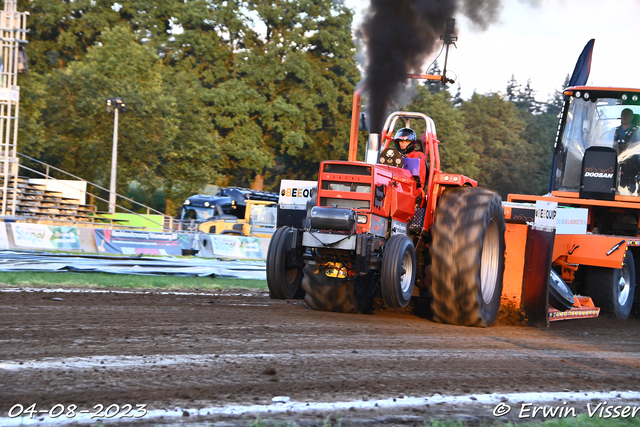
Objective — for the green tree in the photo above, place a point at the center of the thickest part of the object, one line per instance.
(435, 87)
(455, 154)
(154, 134)
(304, 69)
(220, 92)
(554, 105)
(539, 133)
(494, 127)
(523, 97)
(63, 31)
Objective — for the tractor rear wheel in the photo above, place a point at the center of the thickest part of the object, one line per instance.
(612, 289)
(283, 280)
(364, 288)
(328, 293)
(398, 274)
(467, 253)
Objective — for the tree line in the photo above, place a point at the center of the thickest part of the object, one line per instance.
(502, 140)
(237, 93)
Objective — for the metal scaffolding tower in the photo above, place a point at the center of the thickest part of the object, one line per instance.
(13, 37)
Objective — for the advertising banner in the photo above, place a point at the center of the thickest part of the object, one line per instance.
(294, 193)
(546, 213)
(4, 239)
(236, 247)
(140, 242)
(572, 221)
(38, 236)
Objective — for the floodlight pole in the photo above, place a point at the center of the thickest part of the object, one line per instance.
(114, 164)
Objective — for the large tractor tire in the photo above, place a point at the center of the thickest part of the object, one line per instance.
(364, 288)
(283, 280)
(613, 289)
(328, 293)
(467, 253)
(398, 274)
(340, 295)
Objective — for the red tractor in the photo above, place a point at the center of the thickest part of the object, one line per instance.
(374, 228)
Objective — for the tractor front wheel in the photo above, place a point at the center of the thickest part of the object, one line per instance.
(398, 275)
(467, 254)
(283, 280)
(612, 289)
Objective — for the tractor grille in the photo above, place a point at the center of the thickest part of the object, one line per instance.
(347, 169)
(354, 187)
(344, 203)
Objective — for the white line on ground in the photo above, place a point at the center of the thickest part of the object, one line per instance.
(137, 362)
(300, 407)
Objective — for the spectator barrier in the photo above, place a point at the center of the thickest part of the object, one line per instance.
(28, 236)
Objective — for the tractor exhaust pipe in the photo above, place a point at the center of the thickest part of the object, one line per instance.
(373, 148)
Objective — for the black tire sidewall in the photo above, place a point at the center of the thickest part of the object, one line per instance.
(601, 285)
(279, 286)
(489, 311)
(406, 245)
(458, 233)
(559, 298)
(272, 265)
(391, 276)
(623, 311)
(364, 290)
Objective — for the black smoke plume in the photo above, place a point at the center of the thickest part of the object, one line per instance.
(400, 35)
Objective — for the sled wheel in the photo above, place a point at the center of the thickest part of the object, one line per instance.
(467, 253)
(328, 293)
(612, 289)
(283, 281)
(560, 296)
(398, 274)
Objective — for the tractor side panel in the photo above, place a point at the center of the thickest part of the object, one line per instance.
(403, 199)
(591, 249)
(516, 242)
(382, 191)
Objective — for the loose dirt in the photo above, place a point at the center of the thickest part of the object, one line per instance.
(199, 350)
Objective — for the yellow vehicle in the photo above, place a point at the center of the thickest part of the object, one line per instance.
(259, 221)
(232, 210)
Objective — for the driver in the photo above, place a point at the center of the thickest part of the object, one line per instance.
(405, 141)
(627, 136)
(627, 130)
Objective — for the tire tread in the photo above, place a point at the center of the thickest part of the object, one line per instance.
(456, 253)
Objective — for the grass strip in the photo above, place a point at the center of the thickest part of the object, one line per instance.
(127, 281)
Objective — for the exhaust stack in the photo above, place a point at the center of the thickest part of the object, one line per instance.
(373, 149)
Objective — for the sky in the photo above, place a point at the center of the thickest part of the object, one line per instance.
(541, 40)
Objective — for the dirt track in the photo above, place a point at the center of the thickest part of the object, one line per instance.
(217, 349)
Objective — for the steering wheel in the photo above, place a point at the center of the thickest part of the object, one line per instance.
(391, 157)
(607, 136)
